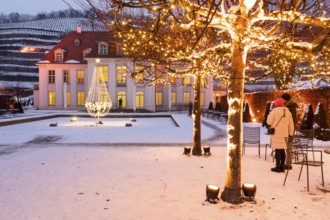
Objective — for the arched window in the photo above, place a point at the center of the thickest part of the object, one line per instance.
(139, 100)
(121, 95)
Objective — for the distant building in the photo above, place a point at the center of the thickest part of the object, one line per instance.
(67, 70)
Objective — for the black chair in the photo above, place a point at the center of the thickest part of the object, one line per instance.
(308, 135)
(251, 135)
(300, 155)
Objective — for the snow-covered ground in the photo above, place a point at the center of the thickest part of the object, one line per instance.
(79, 170)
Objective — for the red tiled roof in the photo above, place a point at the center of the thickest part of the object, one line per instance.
(88, 40)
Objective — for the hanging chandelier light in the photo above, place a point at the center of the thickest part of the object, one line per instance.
(98, 101)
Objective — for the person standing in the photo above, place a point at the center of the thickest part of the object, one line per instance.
(120, 102)
(292, 106)
(280, 119)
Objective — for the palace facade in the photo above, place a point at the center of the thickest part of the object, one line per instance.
(65, 75)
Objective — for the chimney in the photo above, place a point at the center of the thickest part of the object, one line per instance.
(79, 29)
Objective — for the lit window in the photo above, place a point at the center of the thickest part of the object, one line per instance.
(66, 76)
(51, 98)
(186, 98)
(139, 99)
(186, 81)
(59, 57)
(51, 76)
(80, 76)
(68, 98)
(103, 48)
(122, 95)
(103, 73)
(121, 74)
(80, 98)
(173, 98)
(159, 98)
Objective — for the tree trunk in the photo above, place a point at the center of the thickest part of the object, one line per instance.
(197, 140)
(232, 191)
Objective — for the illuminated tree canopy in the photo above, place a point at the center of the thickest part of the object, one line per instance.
(168, 32)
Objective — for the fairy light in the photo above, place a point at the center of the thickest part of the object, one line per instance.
(167, 40)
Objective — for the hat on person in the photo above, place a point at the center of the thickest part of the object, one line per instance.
(279, 102)
(286, 96)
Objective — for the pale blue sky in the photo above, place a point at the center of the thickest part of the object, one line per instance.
(34, 6)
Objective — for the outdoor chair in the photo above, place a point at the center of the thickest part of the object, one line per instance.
(223, 118)
(308, 136)
(251, 135)
(300, 155)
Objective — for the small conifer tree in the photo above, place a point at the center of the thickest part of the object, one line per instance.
(308, 119)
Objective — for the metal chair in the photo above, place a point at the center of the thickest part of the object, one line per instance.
(300, 156)
(251, 135)
(308, 136)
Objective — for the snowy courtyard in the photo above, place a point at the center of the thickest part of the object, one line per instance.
(80, 170)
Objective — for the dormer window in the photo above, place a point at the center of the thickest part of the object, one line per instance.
(59, 55)
(76, 42)
(103, 48)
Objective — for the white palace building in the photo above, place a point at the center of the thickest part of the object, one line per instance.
(65, 75)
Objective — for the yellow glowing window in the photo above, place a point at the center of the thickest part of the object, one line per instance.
(121, 74)
(51, 98)
(139, 101)
(186, 81)
(173, 98)
(80, 98)
(68, 98)
(159, 98)
(80, 76)
(102, 72)
(186, 98)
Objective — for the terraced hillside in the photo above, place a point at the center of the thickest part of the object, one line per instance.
(23, 44)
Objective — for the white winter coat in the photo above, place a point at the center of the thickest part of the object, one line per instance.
(284, 128)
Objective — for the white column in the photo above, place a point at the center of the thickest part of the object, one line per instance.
(65, 89)
(134, 97)
(169, 97)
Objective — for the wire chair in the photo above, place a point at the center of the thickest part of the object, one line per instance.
(251, 135)
(299, 155)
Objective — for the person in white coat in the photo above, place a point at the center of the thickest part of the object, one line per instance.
(280, 118)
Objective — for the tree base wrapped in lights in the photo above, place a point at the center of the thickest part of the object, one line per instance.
(98, 102)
